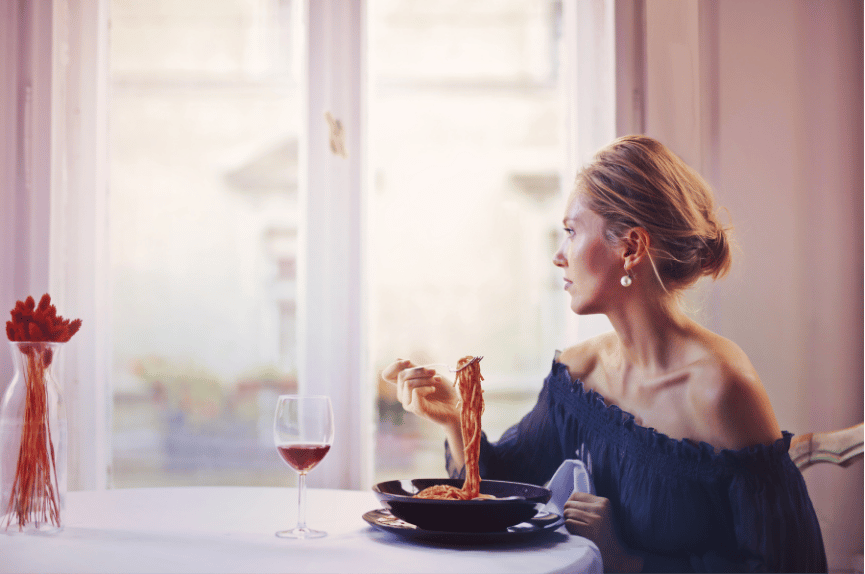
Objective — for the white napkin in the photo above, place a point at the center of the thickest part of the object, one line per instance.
(570, 477)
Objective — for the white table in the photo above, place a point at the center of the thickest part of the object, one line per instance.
(231, 529)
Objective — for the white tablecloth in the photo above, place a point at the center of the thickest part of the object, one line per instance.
(231, 529)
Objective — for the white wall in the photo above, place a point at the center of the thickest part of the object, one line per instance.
(766, 99)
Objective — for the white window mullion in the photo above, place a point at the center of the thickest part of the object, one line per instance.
(79, 257)
(330, 311)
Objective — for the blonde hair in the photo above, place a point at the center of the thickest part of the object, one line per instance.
(636, 181)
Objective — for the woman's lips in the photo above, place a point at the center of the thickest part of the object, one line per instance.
(568, 284)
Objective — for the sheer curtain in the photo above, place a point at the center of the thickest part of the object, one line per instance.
(53, 199)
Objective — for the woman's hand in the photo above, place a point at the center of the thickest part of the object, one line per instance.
(424, 392)
(431, 396)
(591, 516)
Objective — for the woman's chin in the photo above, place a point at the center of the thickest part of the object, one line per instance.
(581, 307)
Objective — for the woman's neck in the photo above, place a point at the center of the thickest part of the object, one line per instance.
(650, 334)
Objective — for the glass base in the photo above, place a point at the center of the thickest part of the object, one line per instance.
(41, 528)
(301, 533)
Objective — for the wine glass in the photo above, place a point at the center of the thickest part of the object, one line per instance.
(303, 433)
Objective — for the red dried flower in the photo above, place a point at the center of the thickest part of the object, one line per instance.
(39, 323)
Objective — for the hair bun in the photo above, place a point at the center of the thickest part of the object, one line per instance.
(716, 253)
(636, 181)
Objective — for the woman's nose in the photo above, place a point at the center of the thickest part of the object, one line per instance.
(559, 259)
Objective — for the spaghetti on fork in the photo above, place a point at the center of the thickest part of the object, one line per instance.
(468, 383)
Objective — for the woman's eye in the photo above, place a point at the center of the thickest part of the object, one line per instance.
(569, 231)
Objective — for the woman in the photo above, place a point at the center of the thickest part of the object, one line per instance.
(690, 467)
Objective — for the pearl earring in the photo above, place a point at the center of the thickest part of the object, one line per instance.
(626, 280)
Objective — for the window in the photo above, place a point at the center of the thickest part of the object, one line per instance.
(190, 298)
(467, 143)
(204, 224)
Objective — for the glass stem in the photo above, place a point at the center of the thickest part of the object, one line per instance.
(301, 501)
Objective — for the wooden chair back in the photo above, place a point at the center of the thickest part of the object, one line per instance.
(841, 447)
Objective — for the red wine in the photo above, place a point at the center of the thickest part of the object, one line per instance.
(303, 457)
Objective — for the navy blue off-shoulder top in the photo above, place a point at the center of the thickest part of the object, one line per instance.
(683, 506)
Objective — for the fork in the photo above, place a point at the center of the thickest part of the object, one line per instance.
(452, 369)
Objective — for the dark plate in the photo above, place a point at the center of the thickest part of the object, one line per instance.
(516, 502)
(543, 522)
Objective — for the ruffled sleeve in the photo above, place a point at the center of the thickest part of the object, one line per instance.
(772, 524)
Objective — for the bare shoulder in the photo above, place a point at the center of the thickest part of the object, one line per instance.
(730, 406)
(583, 359)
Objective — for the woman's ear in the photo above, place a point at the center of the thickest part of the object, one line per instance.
(635, 247)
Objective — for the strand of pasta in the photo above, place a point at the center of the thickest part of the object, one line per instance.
(469, 382)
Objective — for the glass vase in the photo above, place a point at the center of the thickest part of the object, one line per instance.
(33, 443)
